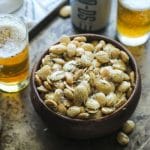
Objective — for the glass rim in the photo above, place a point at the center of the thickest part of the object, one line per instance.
(133, 9)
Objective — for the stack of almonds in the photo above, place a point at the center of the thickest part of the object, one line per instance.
(122, 137)
(85, 79)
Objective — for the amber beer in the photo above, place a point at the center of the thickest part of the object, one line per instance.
(133, 23)
(14, 63)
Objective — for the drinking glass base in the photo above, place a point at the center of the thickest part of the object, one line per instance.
(133, 41)
(11, 88)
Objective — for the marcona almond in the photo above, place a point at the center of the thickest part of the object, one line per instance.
(44, 72)
(65, 39)
(42, 89)
(69, 78)
(85, 79)
(71, 50)
(124, 56)
(128, 126)
(122, 138)
(58, 49)
(65, 11)
(80, 39)
(87, 47)
(107, 110)
(73, 111)
(62, 109)
(101, 98)
(38, 80)
(124, 86)
(100, 45)
(92, 104)
(102, 57)
(51, 104)
(68, 94)
(57, 75)
(80, 94)
(104, 86)
(83, 116)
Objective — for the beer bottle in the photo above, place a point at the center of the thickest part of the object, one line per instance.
(90, 15)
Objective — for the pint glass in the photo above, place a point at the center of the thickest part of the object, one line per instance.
(133, 23)
(14, 59)
(9, 6)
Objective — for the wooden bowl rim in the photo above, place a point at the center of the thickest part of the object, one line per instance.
(118, 110)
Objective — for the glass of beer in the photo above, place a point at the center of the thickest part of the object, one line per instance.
(14, 58)
(133, 23)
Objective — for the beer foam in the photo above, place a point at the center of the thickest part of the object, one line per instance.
(16, 42)
(136, 4)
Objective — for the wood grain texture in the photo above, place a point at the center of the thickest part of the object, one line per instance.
(24, 130)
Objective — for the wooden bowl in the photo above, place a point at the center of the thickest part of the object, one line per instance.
(83, 129)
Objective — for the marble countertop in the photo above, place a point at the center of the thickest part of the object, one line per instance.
(33, 11)
(24, 130)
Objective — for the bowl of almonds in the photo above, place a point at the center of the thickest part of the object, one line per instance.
(85, 86)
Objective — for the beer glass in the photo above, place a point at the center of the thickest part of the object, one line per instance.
(133, 23)
(14, 60)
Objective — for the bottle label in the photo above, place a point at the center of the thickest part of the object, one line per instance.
(90, 15)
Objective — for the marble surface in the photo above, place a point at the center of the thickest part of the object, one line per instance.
(24, 130)
(32, 11)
